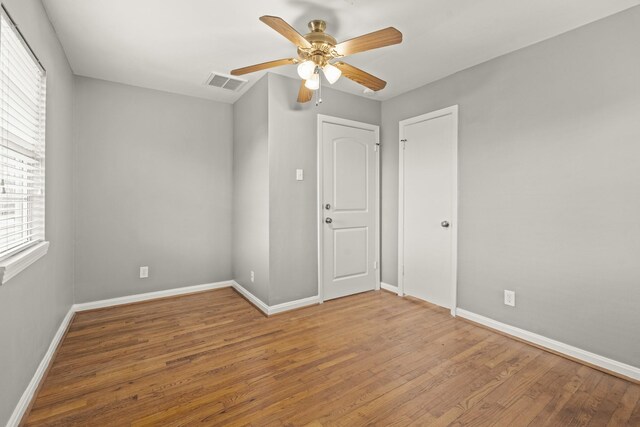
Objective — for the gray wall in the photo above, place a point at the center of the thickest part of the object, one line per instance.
(33, 304)
(549, 181)
(153, 188)
(549, 185)
(293, 145)
(251, 190)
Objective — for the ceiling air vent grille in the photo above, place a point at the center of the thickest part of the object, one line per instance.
(225, 82)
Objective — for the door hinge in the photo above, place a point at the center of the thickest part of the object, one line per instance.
(375, 147)
(404, 143)
(375, 265)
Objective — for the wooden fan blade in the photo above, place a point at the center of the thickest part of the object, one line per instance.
(281, 26)
(381, 38)
(361, 77)
(262, 66)
(304, 94)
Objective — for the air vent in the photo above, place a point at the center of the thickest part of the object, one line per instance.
(225, 82)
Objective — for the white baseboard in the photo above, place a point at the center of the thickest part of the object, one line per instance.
(274, 309)
(388, 287)
(557, 346)
(291, 305)
(266, 309)
(151, 295)
(25, 400)
(252, 298)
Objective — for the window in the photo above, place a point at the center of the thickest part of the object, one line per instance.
(22, 147)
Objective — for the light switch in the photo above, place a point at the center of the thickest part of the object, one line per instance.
(299, 175)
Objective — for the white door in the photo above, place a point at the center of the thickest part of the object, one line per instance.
(348, 206)
(428, 207)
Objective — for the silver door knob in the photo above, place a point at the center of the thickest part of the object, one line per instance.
(445, 224)
(327, 206)
(328, 220)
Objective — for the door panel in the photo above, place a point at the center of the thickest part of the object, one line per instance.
(351, 252)
(350, 175)
(348, 187)
(428, 201)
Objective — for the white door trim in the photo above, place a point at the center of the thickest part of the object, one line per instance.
(453, 111)
(320, 214)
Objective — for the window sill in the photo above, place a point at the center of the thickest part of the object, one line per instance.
(11, 266)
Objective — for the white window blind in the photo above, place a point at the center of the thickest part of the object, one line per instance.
(22, 125)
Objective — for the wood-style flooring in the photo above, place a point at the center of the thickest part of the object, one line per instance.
(370, 359)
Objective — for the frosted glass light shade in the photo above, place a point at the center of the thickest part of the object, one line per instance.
(306, 69)
(313, 82)
(332, 73)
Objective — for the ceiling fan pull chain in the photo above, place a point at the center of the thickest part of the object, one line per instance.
(319, 91)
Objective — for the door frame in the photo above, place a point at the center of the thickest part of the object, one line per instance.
(320, 213)
(453, 111)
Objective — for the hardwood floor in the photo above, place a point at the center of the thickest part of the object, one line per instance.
(370, 359)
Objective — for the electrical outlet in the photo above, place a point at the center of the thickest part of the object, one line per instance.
(253, 277)
(144, 272)
(510, 298)
(299, 175)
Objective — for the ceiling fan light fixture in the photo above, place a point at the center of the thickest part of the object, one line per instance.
(332, 73)
(306, 69)
(313, 82)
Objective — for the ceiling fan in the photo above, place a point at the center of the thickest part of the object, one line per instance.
(317, 51)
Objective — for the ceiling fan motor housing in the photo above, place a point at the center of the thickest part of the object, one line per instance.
(322, 48)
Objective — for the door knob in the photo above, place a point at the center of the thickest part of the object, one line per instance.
(328, 220)
(445, 224)
(327, 206)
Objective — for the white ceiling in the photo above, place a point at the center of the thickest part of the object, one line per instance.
(173, 45)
